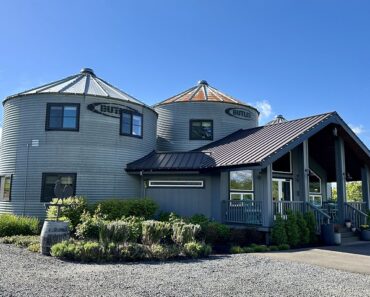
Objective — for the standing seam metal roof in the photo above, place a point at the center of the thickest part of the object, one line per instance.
(244, 147)
(85, 83)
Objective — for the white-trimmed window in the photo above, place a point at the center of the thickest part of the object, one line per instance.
(176, 184)
(315, 196)
(5, 187)
(241, 185)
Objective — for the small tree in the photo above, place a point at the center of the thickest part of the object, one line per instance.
(278, 234)
(292, 230)
(309, 217)
(304, 232)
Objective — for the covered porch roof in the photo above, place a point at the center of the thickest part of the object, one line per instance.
(263, 145)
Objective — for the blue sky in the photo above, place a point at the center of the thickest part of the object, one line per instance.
(295, 58)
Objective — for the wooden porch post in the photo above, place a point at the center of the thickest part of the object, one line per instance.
(365, 174)
(340, 164)
(267, 206)
(306, 171)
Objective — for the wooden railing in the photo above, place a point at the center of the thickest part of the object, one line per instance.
(320, 216)
(356, 216)
(282, 207)
(358, 205)
(247, 212)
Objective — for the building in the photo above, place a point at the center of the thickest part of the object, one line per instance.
(80, 135)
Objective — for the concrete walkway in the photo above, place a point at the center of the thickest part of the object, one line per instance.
(352, 258)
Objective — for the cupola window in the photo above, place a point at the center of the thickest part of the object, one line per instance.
(201, 130)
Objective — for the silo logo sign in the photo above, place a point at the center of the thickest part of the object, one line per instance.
(239, 113)
(108, 109)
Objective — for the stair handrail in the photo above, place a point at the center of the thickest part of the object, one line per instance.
(357, 217)
(321, 217)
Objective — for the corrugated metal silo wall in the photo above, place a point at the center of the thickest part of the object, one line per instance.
(97, 153)
(173, 123)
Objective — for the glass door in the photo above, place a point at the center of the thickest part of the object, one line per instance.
(281, 191)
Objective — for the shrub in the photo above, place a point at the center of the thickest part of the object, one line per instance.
(283, 247)
(155, 232)
(134, 252)
(136, 227)
(278, 233)
(183, 233)
(163, 252)
(85, 251)
(90, 252)
(244, 237)
(116, 232)
(309, 217)
(248, 250)
(216, 233)
(34, 247)
(260, 249)
(236, 249)
(89, 226)
(199, 219)
(195, 249)
(273, 248)
(115, 209)
(292, 230)
(304, 232)
(71, 210)
(64, 250)
(21, 240)
(18, 225)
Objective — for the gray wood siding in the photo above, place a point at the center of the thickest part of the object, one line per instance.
(97, 153)
(173, 123)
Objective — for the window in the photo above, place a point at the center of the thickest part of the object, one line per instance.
(177, 183)
(316, 200)
(283, 164)
(63, 116)
(131, 123)
(57, 185)
(315, 183)
(5, 187)
(241, 185)
(201, 130)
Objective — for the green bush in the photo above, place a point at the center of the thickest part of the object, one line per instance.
(21, 240)
(195, 249)
(292, 230)
(236, 249)
(283, 247)
(183, 233)
(260, 249)
(18, 225)
(116, 232)
(134, 252)
(304, 232)
(199, 219)
(71, 210)
(278, 233)
(89, 226)
(163, 252)
(34, 247)
(273, 248)
(155, 232)
(309, 217)
(85, 251)
(216, 233)
(115, 209)
(248, 250)
(136, 227)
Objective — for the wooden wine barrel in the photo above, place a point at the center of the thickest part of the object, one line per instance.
(53, 232)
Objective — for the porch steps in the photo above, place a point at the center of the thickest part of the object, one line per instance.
(349, 237)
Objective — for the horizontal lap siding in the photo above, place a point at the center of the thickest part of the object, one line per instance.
(97, 153)
(173, 123)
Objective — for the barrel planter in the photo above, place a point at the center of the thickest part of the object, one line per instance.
(53, 232)
(365, 235)
(327, 234)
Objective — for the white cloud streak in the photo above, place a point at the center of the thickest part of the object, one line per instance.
(265, 109)
(358, 129)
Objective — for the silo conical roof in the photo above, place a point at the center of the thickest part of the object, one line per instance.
(85, 83)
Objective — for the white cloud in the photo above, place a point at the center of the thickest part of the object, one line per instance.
(357, 129)
(265, 109)
(1, 132)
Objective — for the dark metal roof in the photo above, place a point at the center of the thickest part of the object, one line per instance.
(256, 146)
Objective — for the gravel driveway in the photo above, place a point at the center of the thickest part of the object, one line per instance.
(25, 274)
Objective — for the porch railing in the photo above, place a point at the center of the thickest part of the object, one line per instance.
(320, 216)
(282, 207)
(358, 205)
(247, 212)
(356, 216)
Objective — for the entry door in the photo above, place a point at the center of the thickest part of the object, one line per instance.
(282, 189)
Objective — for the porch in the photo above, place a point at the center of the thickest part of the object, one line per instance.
(250, 213)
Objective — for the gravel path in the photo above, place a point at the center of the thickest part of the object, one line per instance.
(26, 274)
